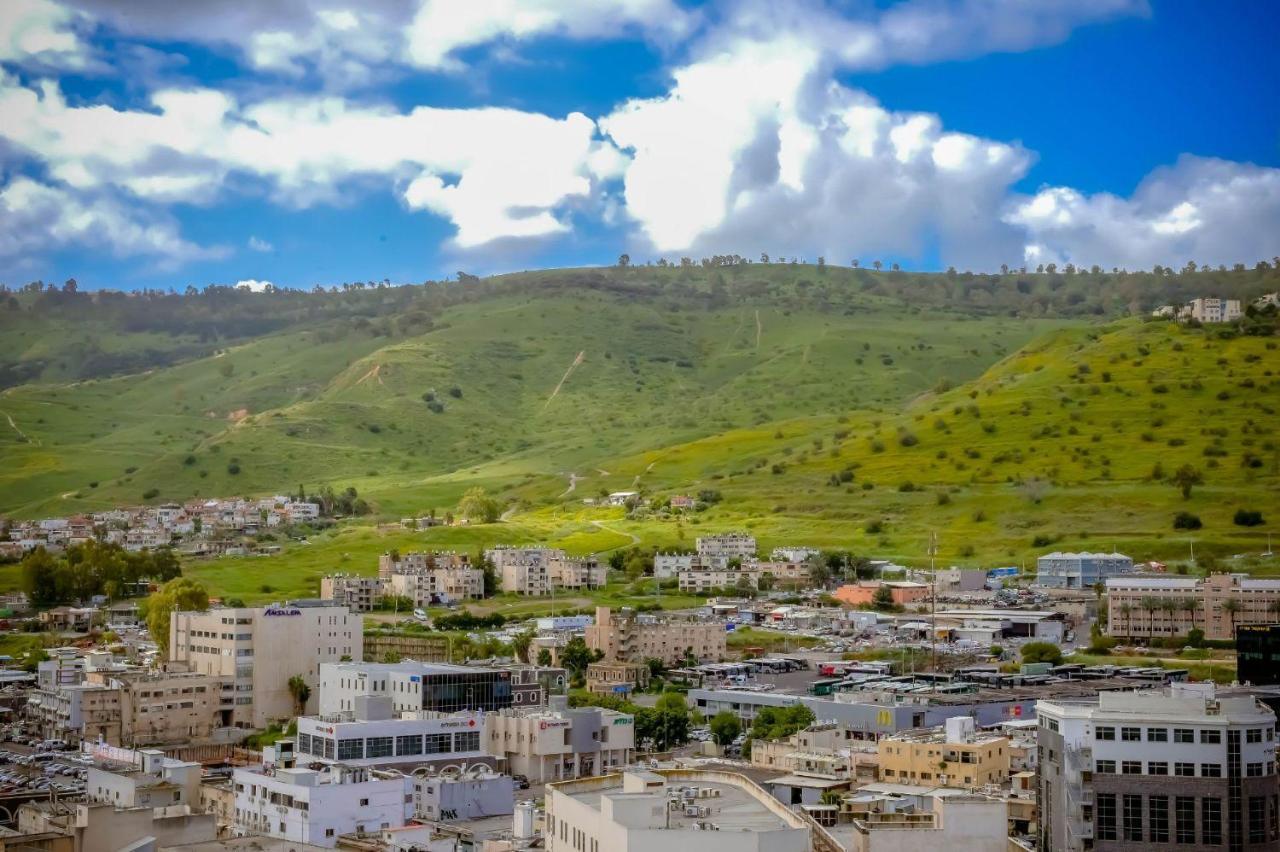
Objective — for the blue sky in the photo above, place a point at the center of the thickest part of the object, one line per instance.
(307, 143)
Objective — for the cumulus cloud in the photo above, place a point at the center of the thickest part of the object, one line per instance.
(35, 217)
(253, 285)
(1206, 210)
(492, 172)
(41, 33)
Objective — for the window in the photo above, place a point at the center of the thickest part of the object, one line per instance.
(350, 749)
(1157, 768)
(304, 743)
(1158, 818)
(1257, 819)
(1131, 767)
(1131, 735)
(328, 832)
(437, 743)
(1186, 770)
(409, 744)
(1158, 735)
(1105, 767)
(1184, 735)
(1104, 732)
(1132, 817)
(1253, 770)
(378, 747)
(1209, 735)
(1104, 827)
(1184, 815)
(1211, 770)
(466, 741)
(1211, 821)
(1253, 735)
(364, 803)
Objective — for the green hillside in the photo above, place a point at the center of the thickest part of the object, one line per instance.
(1007, 414)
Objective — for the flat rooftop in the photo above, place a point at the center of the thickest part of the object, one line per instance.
(734, 809)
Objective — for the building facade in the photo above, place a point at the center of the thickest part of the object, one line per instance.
(1258, 654)
(558, 743)
(1142, 607)
(955, 755)
(628, 637)
(732, 545)
(413, 686)
(356, 593)
(1080, 570)
(372, 737)
(257, 650)
(1143, 771)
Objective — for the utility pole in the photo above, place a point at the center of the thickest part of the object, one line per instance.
(933, 605)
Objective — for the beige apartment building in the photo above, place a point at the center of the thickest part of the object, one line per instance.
(558, 743)
(818, 750)
(257, 649)
(159, 707)
(433, 586)
(1143, 607)
(359, 594)
(630, 637)
(542, 570)
(952, 756)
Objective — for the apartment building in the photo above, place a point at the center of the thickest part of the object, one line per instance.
(731, 545)
(674, 811)
(432, 578)
(540, 570)
(1182, 767)
(1213, 310)
(157, 707)
(1080, 570)
(414, 686)
(1142, 607)
(704, 581)
(630, 637)
(77, 711)
(954, 755)
(356, 593)
(556, 743)
(821, 750)
(257, 650)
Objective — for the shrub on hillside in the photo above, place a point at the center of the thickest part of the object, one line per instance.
(1186, 521)
(1248, 518)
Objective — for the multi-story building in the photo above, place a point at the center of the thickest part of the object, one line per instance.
(158, 707)
(1212, 310)
(414, 686)
(1258, 654)
(703, 581)
(431, 578)
(630, 637)
(356, 593)
(1080, 570)
(1173, 606)
(732, 545)
(680, 810)
(540, 570)
(371, 735)
(955, 755)
(318, 806)
(1182, 767)
(77, 711)
(820, 750)
(557, 743)
(257, 649)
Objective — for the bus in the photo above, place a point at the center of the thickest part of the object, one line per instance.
(825, 686)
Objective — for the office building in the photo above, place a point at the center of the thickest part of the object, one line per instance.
(630, 637)
(1181, 767)
(1143, 607)
(1258, 654)
(414, 686)
(558, 742)
(954, 755)
(372, 736)
(674, 811)
(257, 649)
(1080, 570)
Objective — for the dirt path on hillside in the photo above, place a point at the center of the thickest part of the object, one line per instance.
(372, 374)
(576, 361)
(635, 539)
(23, 435)
(573, 483)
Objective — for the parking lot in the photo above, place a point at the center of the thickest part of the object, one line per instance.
(40, 766)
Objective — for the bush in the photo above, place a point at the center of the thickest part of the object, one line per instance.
(455, 392)
(1186, 521)
(1248, 518)
(150, 493)
(233, 469)
(1041, 652)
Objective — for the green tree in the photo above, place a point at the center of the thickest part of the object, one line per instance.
(181, 594)
(477, 506)
(300, 692)
(1186, 478)
(1231, 606)
(671, 725)
(1041, 652)
(520, 644)
(725, 727)
(883, 598)
(544, 656)
(576, 656)
(40, 578)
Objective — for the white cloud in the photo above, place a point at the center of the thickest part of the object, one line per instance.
(492, 172)
(261, 245)
(254, 285)
(35, 217)
(441, 28)
(40, 33)
(1206, 210)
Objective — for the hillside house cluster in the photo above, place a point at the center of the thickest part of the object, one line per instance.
(730, 560)
(1203, 309)
(204, 526)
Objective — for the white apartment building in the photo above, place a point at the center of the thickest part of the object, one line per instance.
(673, 811)
(413, 686)
(1144, 770)
(372, 736)
(732, 545)
(540, 570)
(257, 649)
(559, 743)
(794, 553)
(1213, 310)
(463, 794)
(318, 806)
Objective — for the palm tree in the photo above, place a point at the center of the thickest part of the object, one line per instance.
(1190, 605)
(1231, 606)
(1126, 610)
(1150, 604)
(300, 691)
